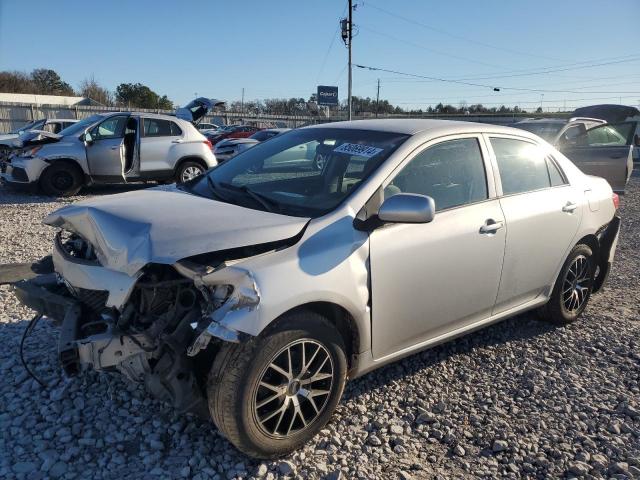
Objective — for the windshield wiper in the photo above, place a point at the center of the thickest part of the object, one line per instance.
(269, 204)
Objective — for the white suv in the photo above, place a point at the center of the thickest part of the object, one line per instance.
(116, 147)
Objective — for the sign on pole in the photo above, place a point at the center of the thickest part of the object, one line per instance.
(327, 95)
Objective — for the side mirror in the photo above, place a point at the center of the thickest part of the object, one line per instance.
(407, 208)
(87, 138)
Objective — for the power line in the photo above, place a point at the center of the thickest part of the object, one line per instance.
(494, 87)
(326, 55)
(437, 52)
(453, 35)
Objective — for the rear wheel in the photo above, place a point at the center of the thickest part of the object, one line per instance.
(61, 179)
(189, 170)
(272, 394)
(572, 290)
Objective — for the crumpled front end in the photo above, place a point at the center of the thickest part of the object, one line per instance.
(161, 326)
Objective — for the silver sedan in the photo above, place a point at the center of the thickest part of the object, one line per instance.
(257, 290)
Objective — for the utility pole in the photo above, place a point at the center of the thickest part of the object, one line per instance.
(242, 102)
(350, 31)
(378, 98)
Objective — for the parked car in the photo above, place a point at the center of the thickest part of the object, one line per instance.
(116, 147)
(232, 131)
(552, 129)
(208, 126)
(595, 146)
(257, 291)
(230, 147)
(51, 125)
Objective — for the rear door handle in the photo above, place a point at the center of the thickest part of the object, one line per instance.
(116, 147)
(491, 226)
(569, 207)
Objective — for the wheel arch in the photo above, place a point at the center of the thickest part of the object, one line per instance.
(189, 158)
(340, 318)
(66, 160)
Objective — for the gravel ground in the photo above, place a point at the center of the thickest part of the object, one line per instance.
(519, 399)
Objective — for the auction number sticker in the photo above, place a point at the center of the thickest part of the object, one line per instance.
(359, 150)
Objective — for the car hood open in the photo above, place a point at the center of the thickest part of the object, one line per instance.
(196, 109)
(165, 224)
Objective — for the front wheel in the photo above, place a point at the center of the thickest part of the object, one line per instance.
(572, 290)
(273, 393)
(61, 179)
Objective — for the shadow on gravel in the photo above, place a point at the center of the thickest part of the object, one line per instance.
(519, 328)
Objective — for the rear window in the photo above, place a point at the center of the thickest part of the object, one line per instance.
(156, 127)
(522, 165)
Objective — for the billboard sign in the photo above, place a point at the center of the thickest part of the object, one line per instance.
(327, 95)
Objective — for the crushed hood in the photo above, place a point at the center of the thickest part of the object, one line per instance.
(36, 137)
(165, 224)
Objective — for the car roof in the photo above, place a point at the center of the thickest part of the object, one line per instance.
(414, 126)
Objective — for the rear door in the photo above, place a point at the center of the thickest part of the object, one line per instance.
(605, 151)
(160, 138)
(542, 212)
(105, 151)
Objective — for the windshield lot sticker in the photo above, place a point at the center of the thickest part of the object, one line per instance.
(359, 150)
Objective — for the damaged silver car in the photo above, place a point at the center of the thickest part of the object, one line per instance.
(255, 291)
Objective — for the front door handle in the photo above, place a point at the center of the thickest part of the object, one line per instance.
(491, 226)
(178, 140)
(569, 207)
(117, 147)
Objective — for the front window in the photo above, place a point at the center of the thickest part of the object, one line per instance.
(451, 172)
(112, 127)
(80, 126)
(306, 172)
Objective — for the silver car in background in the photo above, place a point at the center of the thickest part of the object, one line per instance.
(115, 147)
(256, 290)
(595, 146)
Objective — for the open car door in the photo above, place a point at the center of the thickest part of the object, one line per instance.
(196, 109)
(605, 151)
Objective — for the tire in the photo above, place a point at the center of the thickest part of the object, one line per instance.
(568, 298)
(235, 386)
(61, 179)
(187, 171)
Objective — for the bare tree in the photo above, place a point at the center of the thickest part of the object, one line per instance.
(90, 88)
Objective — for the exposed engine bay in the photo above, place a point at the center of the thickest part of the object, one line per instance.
(168, 331)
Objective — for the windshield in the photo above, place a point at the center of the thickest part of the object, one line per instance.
(80, 126)
(306, 172)
(546, 130)
(38, 124)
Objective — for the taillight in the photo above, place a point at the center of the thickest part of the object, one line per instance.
(616, 200)
(208, 143)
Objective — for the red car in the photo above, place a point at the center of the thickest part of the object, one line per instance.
(234, 131)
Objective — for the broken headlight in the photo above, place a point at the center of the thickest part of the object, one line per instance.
(75, 247)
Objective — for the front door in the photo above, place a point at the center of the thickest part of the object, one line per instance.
(430, 279)
(604, 151)
(543, 215)
(105, 151)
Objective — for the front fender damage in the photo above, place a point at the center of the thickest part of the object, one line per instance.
(242, 296)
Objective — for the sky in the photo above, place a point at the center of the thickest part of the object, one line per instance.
(545, 52)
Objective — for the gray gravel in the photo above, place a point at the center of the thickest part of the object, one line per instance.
(518, 399)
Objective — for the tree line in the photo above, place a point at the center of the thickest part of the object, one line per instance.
(45, 81)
